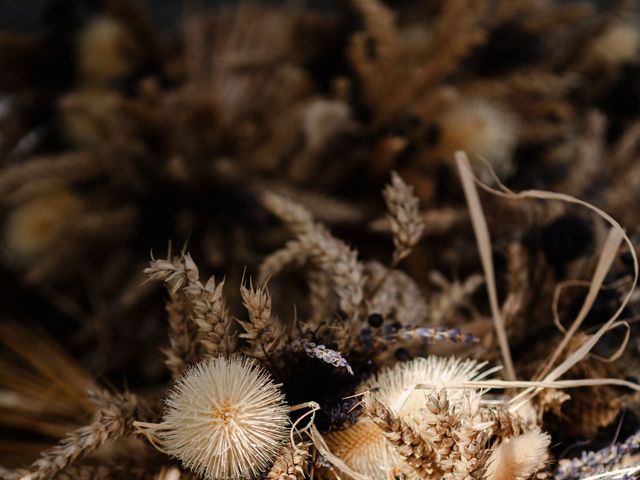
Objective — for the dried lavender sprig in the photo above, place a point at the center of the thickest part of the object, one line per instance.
(590, 463)
(323, 353)
(429, 334)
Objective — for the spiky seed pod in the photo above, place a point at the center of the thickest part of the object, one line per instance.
(481, 126)
(226, 419)
(392, 382)
(363, 446)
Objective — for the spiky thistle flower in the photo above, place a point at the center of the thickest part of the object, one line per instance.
(390, 384)
(363, 446)
(226, 419)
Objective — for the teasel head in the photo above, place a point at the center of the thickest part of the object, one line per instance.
(484, 127)
(225, 419)
(363, 447)
(390, 384)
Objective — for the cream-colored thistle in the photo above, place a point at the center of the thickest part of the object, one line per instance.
(390, 384)
(226, 419)
(481, 127)
(363, 446)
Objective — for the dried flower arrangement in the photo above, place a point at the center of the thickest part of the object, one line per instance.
(497, 337)
(226, 418)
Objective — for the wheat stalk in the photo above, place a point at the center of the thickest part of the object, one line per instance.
(411, 446)
(407, 224)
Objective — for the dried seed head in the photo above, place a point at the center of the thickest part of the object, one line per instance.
(226, 419)
(407, 224)
(363, 446)
(518, 458)
(484, 128)
(391, 383)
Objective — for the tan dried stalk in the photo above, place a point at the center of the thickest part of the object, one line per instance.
(182, 336)
(112, 421)
(201, 304)
(407, 442)
(517, 288)
(457, 30)
(297, 218)
(291, 463)
(212, 318)
(294, 253)
(471, 437)
(439, 428)
(341, 264)
(260, 330)
(407, 224)
(316, 245)
(68, 167)
(483, 240)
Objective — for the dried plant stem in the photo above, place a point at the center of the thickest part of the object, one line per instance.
(181, 337)
(111, 422)
(484, 246)
(609, 250)
(202, 305)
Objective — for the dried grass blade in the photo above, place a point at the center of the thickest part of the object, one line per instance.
(484, 247)
(580, 353)
(607, 256)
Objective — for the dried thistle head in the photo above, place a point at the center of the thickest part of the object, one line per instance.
(391, 383)
(519, 457)
(225, 419)
(363, 446)
(484, 128)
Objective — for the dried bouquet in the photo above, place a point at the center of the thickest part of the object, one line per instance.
(491, 334)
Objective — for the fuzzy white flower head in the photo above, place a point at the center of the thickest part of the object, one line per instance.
(362, 446)
(225, 419)
(391, 384)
